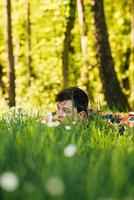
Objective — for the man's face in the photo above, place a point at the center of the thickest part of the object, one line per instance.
(66, 111)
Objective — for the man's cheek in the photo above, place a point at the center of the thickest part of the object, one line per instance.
(64, 114)
(67, 117)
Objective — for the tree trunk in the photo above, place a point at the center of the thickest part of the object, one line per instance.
(132, 53)
(29, 58)
(112, 90)
(2, 84)
(10, 55)
(125, 68)
(83, 38)
(67, 41)
(132, 31)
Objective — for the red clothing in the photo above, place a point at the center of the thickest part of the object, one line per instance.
(126, 120)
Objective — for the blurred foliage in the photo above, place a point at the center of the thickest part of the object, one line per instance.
(48, 24)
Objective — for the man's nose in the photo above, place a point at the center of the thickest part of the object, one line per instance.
(60, 114)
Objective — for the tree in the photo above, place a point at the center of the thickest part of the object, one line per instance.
(132, 31)
(112, 90)
(67, 41)
(132, 51)
(2, 84)
(10, 55)
(49, 22)
(29, 58)
(125, 68)
(83, 38)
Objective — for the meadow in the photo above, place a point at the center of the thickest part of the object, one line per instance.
(41, 161)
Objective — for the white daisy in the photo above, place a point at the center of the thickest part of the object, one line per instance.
(70, 150)
(68, 127)
(9, 181)
(53, 124)
(55, 186)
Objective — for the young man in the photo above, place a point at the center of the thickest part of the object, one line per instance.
(72, 103)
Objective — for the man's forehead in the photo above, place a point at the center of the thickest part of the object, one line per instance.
(65, 103)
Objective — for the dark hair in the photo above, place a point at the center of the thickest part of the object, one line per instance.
(77, 95)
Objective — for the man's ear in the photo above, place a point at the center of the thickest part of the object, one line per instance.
(82, 115)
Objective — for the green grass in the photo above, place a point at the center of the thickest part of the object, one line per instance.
(102, 168)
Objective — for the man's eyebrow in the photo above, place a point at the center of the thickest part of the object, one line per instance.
(66, 108)
(59, 103)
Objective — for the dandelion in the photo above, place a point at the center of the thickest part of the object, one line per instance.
(70, 150)
(53, 124)
(73, 122)
(55, 186)
(9, 181)
(50, 116)
(67, 127)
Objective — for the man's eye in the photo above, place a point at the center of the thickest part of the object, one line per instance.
(66, 111)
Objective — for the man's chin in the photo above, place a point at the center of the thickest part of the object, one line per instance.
(66, 120)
